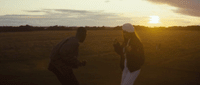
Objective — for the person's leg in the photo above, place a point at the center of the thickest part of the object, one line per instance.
(133, 77)
(130, 77)
(68, 79)
(71, 79)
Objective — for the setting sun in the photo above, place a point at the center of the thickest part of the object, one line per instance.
(99, 12)
(154, 19)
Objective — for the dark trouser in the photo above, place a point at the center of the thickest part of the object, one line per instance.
(68, 79)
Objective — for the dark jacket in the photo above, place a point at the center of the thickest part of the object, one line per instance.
(135, 58)
(67, 52)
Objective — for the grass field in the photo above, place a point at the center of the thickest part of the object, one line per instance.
(24, 57)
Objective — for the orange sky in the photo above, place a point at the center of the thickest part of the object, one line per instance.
(100, 12)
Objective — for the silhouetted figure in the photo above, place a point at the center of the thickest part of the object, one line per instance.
(132, 54)
(64, 58)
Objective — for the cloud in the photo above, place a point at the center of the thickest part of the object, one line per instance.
(60, 10)
(80, 14)
(73, 11)
(107, 1)
(14, 15)
(186, 7)
(183, 21)
(66, 17)
(188, 12)
(33, 11)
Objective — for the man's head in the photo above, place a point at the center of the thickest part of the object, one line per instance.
(128, 31)
(81, 34)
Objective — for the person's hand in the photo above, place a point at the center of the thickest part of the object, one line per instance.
(83, 63)
(115, 41)
(128, 48)
(117, 47)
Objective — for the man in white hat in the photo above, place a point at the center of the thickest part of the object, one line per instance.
(132, 54)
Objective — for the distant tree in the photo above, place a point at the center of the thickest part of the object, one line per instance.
(118, 28)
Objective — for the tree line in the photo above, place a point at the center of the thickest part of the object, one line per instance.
(27, 27)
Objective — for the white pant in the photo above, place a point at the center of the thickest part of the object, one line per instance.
(128, 77)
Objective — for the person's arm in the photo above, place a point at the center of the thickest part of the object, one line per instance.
(122, 62)
(118, 48)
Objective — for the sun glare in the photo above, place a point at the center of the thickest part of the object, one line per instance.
(154, 19)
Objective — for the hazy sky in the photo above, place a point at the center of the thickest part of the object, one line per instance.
(99, 12)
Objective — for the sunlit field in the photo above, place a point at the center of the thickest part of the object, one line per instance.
(172, 57)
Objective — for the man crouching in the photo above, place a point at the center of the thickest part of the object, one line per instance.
(64, 58)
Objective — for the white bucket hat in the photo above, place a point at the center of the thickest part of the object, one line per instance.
(128, 27)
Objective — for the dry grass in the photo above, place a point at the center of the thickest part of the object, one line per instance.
(25, 55)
